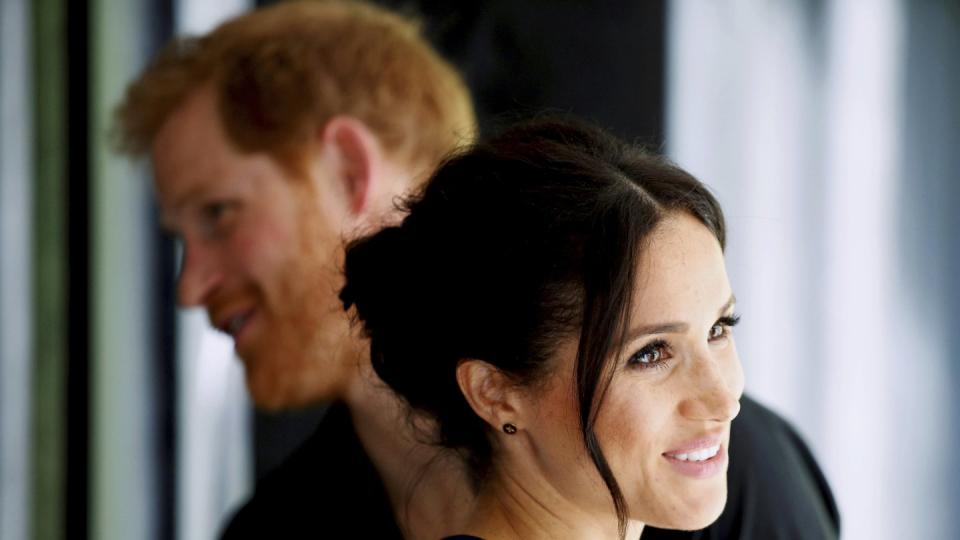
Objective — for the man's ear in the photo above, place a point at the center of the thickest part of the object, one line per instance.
(357, 155)
(490, 393)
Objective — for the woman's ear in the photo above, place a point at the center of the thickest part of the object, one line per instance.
(357, 156)
(490, 393)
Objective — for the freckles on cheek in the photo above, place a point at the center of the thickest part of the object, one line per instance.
(556, 408)
(633, 430)
(556, 420)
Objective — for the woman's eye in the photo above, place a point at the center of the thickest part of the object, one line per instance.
(721, 328)
(717, 331)
(653, 355)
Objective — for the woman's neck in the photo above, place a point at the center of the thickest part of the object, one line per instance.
(427, 488)
(518, 507)
(430, 492)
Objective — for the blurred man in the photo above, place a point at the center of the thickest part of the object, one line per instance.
(274, 139)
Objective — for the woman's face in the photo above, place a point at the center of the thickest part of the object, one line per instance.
(664, 424)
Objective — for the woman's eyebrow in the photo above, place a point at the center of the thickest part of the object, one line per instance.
(729, 304)
(672, 327)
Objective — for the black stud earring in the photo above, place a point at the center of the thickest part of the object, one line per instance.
(509, 428)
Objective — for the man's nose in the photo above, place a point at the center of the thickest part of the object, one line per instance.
(200, 275)
(714, 392)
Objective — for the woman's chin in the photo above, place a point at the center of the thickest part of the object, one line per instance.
(694, 516)
(704, 520)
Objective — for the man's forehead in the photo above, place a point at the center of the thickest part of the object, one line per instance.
(187, 142)
(175, 177)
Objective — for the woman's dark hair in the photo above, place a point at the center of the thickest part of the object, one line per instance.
(512, 246)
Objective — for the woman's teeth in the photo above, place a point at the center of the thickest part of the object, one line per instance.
(699, 455)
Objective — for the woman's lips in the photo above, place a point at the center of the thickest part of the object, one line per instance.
(710, 441)
(699, 463)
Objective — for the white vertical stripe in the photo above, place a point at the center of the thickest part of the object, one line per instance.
(123, 462)
(214, 444)
(200, 16)
(863, 152)
(16, 308)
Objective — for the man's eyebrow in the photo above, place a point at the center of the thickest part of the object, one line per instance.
(194, 192)
(672, 327)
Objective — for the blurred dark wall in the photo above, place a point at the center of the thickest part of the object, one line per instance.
(600, 60)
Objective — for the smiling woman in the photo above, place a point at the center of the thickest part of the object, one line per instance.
(557, 302)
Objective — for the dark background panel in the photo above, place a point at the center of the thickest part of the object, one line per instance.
(77, 175)
(163, 336)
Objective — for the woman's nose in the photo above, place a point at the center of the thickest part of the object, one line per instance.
(714, 391)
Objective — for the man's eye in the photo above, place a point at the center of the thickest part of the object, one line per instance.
(214, 211)
(215, 216)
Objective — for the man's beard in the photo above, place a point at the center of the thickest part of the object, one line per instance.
(304, 357)
(306, 353)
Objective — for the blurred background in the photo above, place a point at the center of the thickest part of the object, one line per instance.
(830, 131)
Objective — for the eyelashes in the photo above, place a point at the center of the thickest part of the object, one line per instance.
(722, 327)
(657, 354)
(652, 355)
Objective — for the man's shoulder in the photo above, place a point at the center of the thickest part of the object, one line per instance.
(328, 484)
(768, 441)
(775, 483)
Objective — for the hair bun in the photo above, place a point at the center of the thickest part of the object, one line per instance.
(373, 269)
(385, 276)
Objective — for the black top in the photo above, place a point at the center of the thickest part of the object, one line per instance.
(329, 488)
